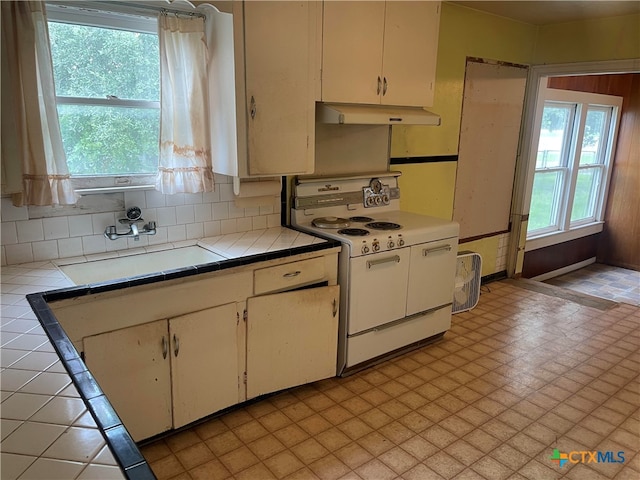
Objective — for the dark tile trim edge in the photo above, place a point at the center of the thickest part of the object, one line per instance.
(433, 159)
(122, 446)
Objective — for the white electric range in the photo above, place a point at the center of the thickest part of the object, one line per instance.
(396, 269)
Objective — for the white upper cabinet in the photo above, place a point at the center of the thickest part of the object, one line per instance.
(352, 45)
(263, 73)
(380, 52)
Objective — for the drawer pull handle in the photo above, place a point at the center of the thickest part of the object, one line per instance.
(427, 251)
(373, 263)
(165, 347)
(292, 274)
(176, 345)
(335, 307)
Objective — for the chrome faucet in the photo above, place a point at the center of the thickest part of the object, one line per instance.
(133, 218)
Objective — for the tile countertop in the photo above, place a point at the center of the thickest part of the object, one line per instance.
(57, 424)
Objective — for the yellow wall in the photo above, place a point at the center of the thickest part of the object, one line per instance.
(427, 188)
(463, 33)
(613, 38)
(488, 250)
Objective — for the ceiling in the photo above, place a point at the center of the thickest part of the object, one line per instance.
(554, 11)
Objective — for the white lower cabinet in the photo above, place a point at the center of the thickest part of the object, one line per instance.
(130, 369)
(205, 369)
(168, 373)
(163, 367)
(292, 338)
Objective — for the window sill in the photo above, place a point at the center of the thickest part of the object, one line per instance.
(554, 238)
(102, 190)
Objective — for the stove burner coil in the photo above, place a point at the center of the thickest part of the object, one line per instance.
(361, 219)
(330, 222)
(383, 225)
(354, 232)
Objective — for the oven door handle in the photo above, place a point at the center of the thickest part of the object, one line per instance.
(427, 251)
(373, 263)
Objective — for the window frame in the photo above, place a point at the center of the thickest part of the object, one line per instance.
(565, 229)
(114, 16)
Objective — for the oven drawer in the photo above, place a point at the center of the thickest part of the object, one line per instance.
(377, 289)
(387, 339)
(288, 276)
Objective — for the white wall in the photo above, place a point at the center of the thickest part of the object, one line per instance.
(39, 234)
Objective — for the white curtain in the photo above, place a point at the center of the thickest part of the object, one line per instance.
(185, 147)
(31, 142)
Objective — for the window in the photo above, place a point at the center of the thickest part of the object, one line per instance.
(107, 77)
(576, 137)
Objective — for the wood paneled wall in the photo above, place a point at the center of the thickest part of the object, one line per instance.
(619, 243)
(555, 257)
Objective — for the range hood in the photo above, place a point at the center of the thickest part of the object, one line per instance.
(359, 114)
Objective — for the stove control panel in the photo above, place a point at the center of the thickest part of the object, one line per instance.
(378, 194)
(373, 199)
(382, 244)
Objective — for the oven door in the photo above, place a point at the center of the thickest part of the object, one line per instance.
(377, 289)
(432, 275)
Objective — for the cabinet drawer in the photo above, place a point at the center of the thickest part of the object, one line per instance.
(288, 276)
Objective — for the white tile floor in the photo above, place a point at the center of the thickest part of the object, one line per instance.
(47, 432)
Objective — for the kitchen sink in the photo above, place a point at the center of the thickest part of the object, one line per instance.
(128, 266)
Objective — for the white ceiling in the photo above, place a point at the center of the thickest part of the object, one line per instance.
(554, 11)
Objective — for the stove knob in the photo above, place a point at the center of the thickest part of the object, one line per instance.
(365, 249)
(369, 202)
(390, 244)
(385, 199)
(400, 242)
(378, 200)
(375, 247)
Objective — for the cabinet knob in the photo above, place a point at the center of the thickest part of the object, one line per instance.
(379, 86)
(335, 307)
(165, 347)
(252, 108)
(384, 86)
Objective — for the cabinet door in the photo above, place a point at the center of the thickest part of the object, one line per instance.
(280, 86)
(130, 367)
(204, 363)
(352, 51)
(431, 275)
(292, 339)
(410, 51)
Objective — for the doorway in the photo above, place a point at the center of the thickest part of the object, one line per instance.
(617, 243)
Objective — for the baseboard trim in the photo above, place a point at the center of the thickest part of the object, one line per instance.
(493, 277)
(563, 270)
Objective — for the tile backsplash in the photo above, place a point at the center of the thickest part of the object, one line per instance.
(39, 234)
